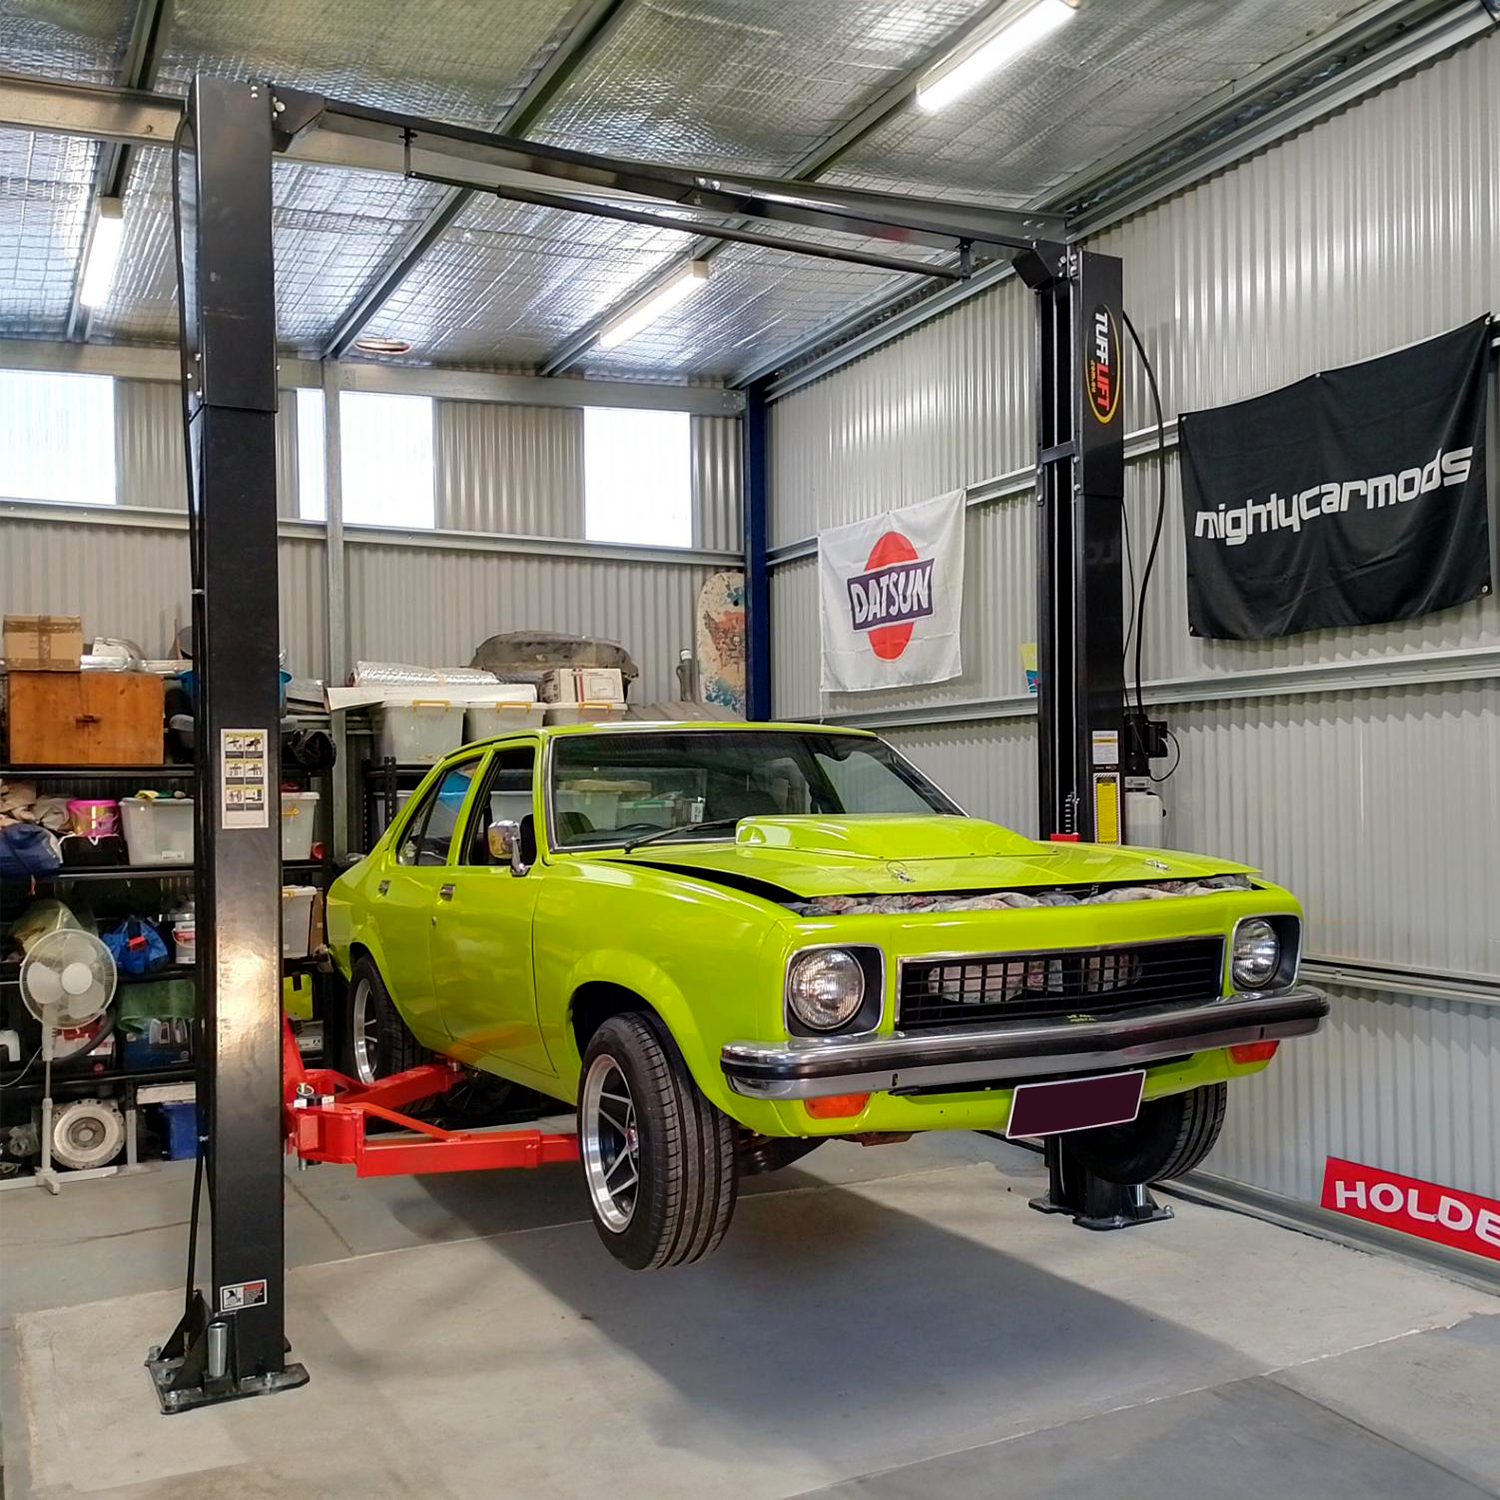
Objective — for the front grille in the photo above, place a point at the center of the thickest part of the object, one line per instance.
(985, 987)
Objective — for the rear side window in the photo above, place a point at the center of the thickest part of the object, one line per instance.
(430, 831)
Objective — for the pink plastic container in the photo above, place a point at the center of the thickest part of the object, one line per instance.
(94, 818)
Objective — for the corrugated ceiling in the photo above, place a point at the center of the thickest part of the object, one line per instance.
(754, 84)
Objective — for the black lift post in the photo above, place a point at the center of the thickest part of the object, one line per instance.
(232, 1343)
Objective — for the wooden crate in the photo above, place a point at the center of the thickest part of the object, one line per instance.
(85, 719)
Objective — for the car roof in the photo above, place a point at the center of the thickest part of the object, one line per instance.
(687, 726)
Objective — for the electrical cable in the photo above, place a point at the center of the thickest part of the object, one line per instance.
(1177, 760)
(200, 741)
(1161, 506)
(1130, 574)
(24, 1071)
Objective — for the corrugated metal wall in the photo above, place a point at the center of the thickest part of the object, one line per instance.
(435, 605)
(515, 470)
(717, 461)
(149, 469)
(1371, 229)
(506, 470)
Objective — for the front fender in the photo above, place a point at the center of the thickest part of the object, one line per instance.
(644, 977)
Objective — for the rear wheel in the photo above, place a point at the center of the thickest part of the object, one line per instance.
(1170, 1136)
(658, 1158)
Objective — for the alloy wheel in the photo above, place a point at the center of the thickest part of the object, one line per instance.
(365, 1029)
(610, 1144)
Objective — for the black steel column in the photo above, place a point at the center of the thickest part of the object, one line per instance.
(1080, 593)
(232, 1342)
(756, 450)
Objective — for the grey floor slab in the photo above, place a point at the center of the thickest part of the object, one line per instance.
(847, 1328)
(1241, 1441)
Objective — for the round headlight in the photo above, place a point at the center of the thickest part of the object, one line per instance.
(1257, 954)
(825, 988)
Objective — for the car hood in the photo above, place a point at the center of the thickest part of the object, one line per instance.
(825, 856)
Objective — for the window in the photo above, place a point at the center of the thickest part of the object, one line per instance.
(57, 437)
(507, 798)
(608, 788)
(638, 477)
(427, 836)
(385, 450)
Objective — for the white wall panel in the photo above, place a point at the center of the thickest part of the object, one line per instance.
(514, 470)
(948, 405)
(435, 605)
(717, 498)
(132, 581)
(1407, 1083)
(990, 769)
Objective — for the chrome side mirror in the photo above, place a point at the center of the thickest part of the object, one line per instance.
(504, 838)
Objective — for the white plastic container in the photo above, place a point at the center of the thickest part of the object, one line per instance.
(585, 713)
(299, 821)
(158, 830)
(417, 734)
(185, 934)
(482, 721)
(296, 919)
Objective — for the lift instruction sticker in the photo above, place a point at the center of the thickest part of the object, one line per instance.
(244, 794)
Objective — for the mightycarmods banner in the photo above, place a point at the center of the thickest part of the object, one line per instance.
(1354, 496)
(892, 592)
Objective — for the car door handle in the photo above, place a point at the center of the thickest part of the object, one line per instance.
(382, 888)
(446, 892)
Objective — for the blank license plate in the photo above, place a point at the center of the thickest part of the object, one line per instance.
(1075, 1104)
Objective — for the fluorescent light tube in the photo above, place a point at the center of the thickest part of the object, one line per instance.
(103, 252)
(630, 322)
(1020, 29)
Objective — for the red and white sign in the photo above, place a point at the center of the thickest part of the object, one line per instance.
(1466, 1221)
(892, 597)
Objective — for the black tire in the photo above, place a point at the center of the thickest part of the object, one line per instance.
(683, 1152)
(376, 1040)
(1169, 1137)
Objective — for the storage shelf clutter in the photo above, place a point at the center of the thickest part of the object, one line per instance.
(97, 829)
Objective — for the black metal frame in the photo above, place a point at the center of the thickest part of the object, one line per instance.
(226, 283)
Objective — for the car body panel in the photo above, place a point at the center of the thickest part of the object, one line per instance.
(701, 930)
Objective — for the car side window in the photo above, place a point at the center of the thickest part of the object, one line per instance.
(430, 832)
(507, 796)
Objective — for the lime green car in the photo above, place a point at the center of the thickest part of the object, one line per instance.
(727, 943)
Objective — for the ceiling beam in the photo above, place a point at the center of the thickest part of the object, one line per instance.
(593, 22)
(819, 160)
(143, 50)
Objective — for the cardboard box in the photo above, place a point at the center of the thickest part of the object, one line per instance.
(583, 685)
(43, 643)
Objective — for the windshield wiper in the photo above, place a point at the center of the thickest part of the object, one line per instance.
(661, 833)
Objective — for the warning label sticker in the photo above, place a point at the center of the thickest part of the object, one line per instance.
(244, 788)
(239, 1295)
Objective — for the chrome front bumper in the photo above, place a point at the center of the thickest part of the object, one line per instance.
(814, 1067)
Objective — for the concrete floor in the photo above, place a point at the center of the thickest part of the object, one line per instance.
(880, 1324)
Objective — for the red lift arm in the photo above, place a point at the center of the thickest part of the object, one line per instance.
(325, 1115)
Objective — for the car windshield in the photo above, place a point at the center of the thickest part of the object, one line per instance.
(614, 787)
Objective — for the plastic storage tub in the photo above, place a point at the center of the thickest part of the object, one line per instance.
(296, 919)
(417, 734)
(94, 817)
(299, 822)
(158, 830)
(584, 713)
(483, 721)
(180, 1135)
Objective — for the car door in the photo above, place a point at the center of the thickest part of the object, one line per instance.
(407, 891)
(480, 939)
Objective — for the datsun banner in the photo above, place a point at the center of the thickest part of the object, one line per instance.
(1354, 496)
(892, 597)
(1466, 1221)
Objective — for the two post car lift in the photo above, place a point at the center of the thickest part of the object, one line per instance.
(255, 1096)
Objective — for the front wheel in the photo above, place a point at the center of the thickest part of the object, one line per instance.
(658, 1158)
(1170, 1136)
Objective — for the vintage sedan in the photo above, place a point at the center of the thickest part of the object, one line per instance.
(727, 943)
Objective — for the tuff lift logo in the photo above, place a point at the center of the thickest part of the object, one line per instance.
(893, 592)
(1101, 378)
(1234, 525)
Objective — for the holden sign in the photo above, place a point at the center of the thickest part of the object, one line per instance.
(892, 597)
